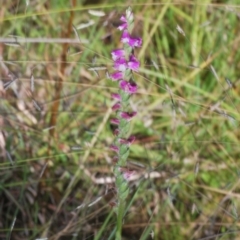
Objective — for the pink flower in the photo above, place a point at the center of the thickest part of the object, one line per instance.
(123, 18)
(116, 76)
(114, 148)
(133, 63)
(125, 37)
(135, 42)
(115, 121)
(117, 53)
(124, 25)
(132, 42)
(128, 87)
(125, 63)
(120, 65)
(116, 106)
(128, 141)
(127, 173)
(116, 96)
(128, 116)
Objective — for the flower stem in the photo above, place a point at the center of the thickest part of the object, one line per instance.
(120, 214)
(125, 63)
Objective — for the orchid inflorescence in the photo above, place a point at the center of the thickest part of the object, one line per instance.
(125, 63)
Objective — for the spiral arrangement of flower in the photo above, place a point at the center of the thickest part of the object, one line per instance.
(124, 64)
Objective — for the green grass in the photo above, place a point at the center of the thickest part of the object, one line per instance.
(57, 183)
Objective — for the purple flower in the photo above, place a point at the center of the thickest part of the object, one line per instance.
(123, 18)
(128, 116)
(128, 141)
(133, 63)
(128, 87)
(117, 53)
(124, 25)
(116, 96)
(127, 173)
(116, 76)
(120, 65)
(135, 42)
(114, 148)
(115, 121)
(116, 106)
(124, 64)
(125, 37)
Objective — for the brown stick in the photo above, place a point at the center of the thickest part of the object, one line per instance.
(58, 88)
(63, 64)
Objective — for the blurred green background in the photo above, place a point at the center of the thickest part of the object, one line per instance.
(55, 165)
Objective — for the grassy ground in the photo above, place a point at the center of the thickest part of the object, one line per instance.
(56, 178)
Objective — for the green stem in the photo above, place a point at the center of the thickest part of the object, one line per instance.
(120, 214)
